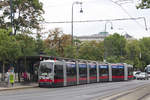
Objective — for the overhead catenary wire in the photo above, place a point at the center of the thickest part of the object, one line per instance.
(130, 15)
(85, 21)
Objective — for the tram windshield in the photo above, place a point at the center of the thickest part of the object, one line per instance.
(148, 69)
(45, 68)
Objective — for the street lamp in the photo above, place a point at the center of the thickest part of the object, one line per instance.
(81, 11)
(104, 38)
(108, 23)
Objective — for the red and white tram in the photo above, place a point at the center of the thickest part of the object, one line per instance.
(54, 73)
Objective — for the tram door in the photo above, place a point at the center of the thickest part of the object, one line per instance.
(82, 73)
(58, 75)
(103, 73)
(130, 73)
(93, 73)
(71, 74)
(117, 72)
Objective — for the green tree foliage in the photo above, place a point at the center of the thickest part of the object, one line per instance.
(70, 52)
(39, 44)
(9, 48)
(114, 46)
(133, 51)
(144, 4)
(91, 51)
(27, 44)
(145, 50)
(26, 14)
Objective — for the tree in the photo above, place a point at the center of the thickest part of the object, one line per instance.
(70, 52)
(115, 45)
(39, 44)
(27, 45)
(91, 51)
(9, 48)
(52, 42)
(133, 53)
(144, 4)
(145, 50)
(57, 41)
(26, 14)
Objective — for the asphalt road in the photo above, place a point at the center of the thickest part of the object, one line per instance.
(95, 91)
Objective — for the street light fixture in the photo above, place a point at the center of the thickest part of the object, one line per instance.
(105, 37)
(81, 11)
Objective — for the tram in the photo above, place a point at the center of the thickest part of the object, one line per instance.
(55, 73)
(147, 70)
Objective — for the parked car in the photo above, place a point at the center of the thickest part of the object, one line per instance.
(142, 75)
(136, 73)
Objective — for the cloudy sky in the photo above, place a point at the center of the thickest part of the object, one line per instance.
(60, 10)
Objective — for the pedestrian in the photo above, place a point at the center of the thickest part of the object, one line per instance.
(7, 77)
(25, 76)
(11, 76)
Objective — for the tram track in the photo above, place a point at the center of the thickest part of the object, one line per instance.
(79, 92)
(138, 93)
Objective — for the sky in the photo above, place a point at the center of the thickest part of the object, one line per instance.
(60, 10)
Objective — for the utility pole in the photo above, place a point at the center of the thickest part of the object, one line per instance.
(11, 16)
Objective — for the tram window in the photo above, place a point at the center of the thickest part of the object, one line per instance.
(130, 70)
(148, 69)
(46, 67)
(103, 71)
(71, 70)
(82, 70)
(93, 71)
(118, 70)
(58, 71)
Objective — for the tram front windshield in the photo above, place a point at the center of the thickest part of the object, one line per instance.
(148, 70)
(46, 68)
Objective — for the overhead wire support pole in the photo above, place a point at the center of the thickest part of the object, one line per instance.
(11, 15)
(76, 2)
(145, 24)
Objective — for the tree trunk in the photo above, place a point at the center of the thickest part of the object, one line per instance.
(3, 73)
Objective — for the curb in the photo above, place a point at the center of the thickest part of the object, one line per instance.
(17, 88)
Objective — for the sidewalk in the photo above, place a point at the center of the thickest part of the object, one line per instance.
(18, 86)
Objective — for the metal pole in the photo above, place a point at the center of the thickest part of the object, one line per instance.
(145, 23)
(72, 23)
(72, 18)
(105, 53)
(11, 15)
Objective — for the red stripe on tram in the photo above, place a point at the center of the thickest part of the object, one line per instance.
(103, 77)
(117, 76)
(130, 76)
(71, 79)
(82, 78)
(45, 80)
(93, 78)
(58, 80)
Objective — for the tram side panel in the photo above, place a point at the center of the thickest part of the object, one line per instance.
(92, 73)
(58, 75)
(103, 72)
(117, 72)
(71, 74)
(82, 73)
